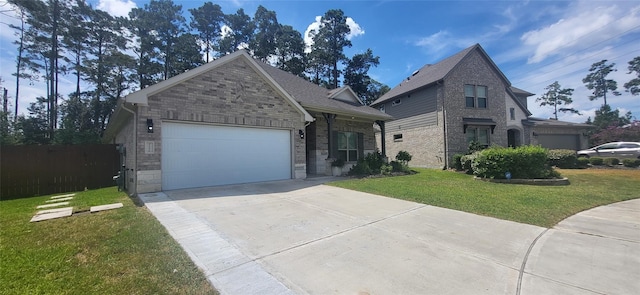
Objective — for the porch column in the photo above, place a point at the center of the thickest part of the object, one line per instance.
(382, 138)
(330, 118)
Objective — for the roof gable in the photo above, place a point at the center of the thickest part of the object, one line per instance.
(346, 94)
(140, 97)
(430, 74)
(318, 99)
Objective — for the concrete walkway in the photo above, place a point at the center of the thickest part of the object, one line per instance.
(302, 237)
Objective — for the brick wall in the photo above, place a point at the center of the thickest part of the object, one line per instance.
(230, 94)
(474, 69)
(318, 151)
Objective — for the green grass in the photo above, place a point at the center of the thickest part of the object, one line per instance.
(121, 251)
(538, 205)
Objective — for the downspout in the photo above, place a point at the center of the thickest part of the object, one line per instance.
(135, 147)
(444, 126)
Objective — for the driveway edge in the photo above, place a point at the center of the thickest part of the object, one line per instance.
(241, 276)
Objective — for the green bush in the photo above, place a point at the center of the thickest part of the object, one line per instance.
(466, 162)
(360, 169)
(398, 166)
(386, 169)
(611, 161)
(404, 157)
(596, 161)
(373, 164)
(375, 161)
(457, 162)
(566, 159)
(632, 163)
(524, 162)
(582, 162)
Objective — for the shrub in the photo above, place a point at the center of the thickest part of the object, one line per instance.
(337, 163)
(403, 157)
(525, 162)
(371, 164)
(596, 161)
(565, 159)
(386, 169)
(582, 162)
(611, 161)
(375, 161)
(399, 167)
(467, 160)
(360, 169)
(457, 162)
(632, 163)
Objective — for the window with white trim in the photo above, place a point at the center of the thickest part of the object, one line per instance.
(397, 137)
(475, 96)
(348, 146)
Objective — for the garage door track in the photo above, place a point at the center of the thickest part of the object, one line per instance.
(302, 237)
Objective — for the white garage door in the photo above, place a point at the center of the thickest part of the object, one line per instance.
(205, 155)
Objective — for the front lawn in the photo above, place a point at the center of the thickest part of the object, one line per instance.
(538, 205)
(121, 251)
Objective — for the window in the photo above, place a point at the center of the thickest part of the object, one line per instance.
(382, 108)
(475, 96)
(396, 102)
(512, 113)
(397, 137)
(479, 135)
(348, 146)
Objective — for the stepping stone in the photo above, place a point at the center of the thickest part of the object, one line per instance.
(59, 200)
(106, 207)
(52, 214)
(52, 205)
(53, 210)
(63, 196)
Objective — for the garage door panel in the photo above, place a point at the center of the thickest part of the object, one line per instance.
(205, 155)
(559, 141)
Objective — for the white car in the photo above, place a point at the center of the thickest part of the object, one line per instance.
(620, 150)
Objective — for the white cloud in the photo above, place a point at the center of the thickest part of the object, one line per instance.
(564, 49)
(586, 25)
(117, 7)
(308, 33)
(355, 31)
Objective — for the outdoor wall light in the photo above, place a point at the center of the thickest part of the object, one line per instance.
(301, 133)
(149, 125)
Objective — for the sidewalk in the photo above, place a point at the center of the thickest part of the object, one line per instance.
(593, 252)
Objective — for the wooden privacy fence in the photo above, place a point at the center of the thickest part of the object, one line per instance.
(48, 169)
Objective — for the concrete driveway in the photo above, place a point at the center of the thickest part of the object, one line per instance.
(302, 237)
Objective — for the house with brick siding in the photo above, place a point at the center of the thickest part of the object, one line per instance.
(237, 120)
(465, 98)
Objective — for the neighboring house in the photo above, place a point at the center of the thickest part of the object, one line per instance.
(443, 107)
(237, 120)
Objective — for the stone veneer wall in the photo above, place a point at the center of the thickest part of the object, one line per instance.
(474, 69)
(231, 94)
(425, 144)
(318, 149)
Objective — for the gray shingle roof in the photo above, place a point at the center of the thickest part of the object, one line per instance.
(426, 75)
(553, 123)
(315, 98)
(519, 91)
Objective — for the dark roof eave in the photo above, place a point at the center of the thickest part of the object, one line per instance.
(341, 112)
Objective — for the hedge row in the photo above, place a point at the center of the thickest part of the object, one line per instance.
(523, 162)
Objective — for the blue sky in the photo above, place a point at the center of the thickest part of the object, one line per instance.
(533, 42)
